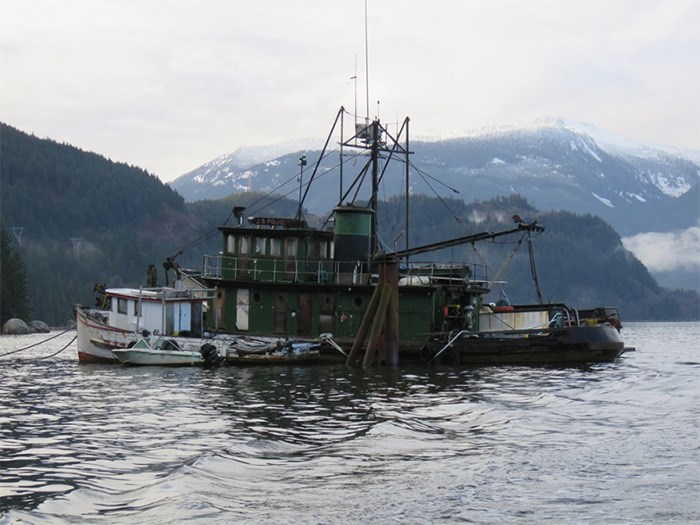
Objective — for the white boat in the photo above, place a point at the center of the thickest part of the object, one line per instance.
(117, 330)
(160, 351)
(124, 315)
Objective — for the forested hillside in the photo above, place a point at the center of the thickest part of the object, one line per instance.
(579, 259)
(79, 219)
(14, 292)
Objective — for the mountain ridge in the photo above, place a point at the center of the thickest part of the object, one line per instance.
(87, 219)
(553, 163)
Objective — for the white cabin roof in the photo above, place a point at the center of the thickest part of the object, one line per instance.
(156, 294)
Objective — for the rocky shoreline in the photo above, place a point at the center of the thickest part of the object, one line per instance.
(17, 326)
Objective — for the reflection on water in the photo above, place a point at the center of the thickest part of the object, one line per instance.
(329, 444)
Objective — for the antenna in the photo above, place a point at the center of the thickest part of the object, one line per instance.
(354, 77)
(366, 64)
(301, 163)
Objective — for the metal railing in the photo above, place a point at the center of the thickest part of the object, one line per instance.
(223, 267)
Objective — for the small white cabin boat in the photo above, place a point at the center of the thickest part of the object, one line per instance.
(123, 315)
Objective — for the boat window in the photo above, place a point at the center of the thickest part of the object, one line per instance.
(244, 246)
(260, 246)
(276, 247)
(292, 247)
(331, 250)
(231, 243)
(323, 250)
(121, 306)
(136, 308)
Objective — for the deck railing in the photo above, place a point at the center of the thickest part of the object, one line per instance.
(222, 267)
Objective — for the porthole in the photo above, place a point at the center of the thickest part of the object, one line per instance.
(357, 301)
(256, 297)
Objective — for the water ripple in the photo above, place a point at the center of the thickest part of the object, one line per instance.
(329, 444)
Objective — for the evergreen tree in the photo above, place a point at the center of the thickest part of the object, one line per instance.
(14, 292)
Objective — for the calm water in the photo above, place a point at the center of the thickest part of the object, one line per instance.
(610, 443)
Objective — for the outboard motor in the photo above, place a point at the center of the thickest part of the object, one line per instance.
(211, 356)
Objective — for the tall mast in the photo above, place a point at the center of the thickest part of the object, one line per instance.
(375, 132)
(408, 187)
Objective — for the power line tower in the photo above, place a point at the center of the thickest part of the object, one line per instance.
(17, 231)
(76, 245)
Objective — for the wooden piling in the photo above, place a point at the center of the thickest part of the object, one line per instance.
(364, 326)
(391, 328)
(377, 325)
(382, 316)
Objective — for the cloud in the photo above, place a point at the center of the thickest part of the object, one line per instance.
(171, 85)
(664, 252)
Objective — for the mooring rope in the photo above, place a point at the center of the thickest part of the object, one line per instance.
(61, 350)
(39, 343)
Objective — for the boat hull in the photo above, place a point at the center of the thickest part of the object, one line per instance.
(144, 357)
(571, 345)
(96, 339)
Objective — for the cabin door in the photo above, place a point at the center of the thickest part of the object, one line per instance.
(326, 318)
(280, 322)
(169, 319)
(242, 308)
(304, 314)
(196, 319)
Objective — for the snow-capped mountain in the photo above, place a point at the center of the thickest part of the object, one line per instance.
(234, 172)
(555, 164)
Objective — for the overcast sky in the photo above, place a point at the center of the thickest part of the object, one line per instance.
(170, 85)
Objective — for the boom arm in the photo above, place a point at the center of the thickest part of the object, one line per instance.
(522, 226)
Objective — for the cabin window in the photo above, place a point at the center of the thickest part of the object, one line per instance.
(260, 246)
(276, 247)
(231, 243)
(331, 250)
(121, 306)
(292, 246)
(244, 246)
(137, 313)
(323, 250)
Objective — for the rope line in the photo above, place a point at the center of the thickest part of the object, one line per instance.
(61, 350)
(37, 344)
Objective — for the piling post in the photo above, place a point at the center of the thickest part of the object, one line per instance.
(377, 325)
(364, 326)
(391, 328)
(381, 320)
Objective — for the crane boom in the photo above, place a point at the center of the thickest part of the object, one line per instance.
(522, 226)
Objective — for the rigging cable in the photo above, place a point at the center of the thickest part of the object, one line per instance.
(209, 234)
(533, 268)
(423, 175)
(506, 262)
